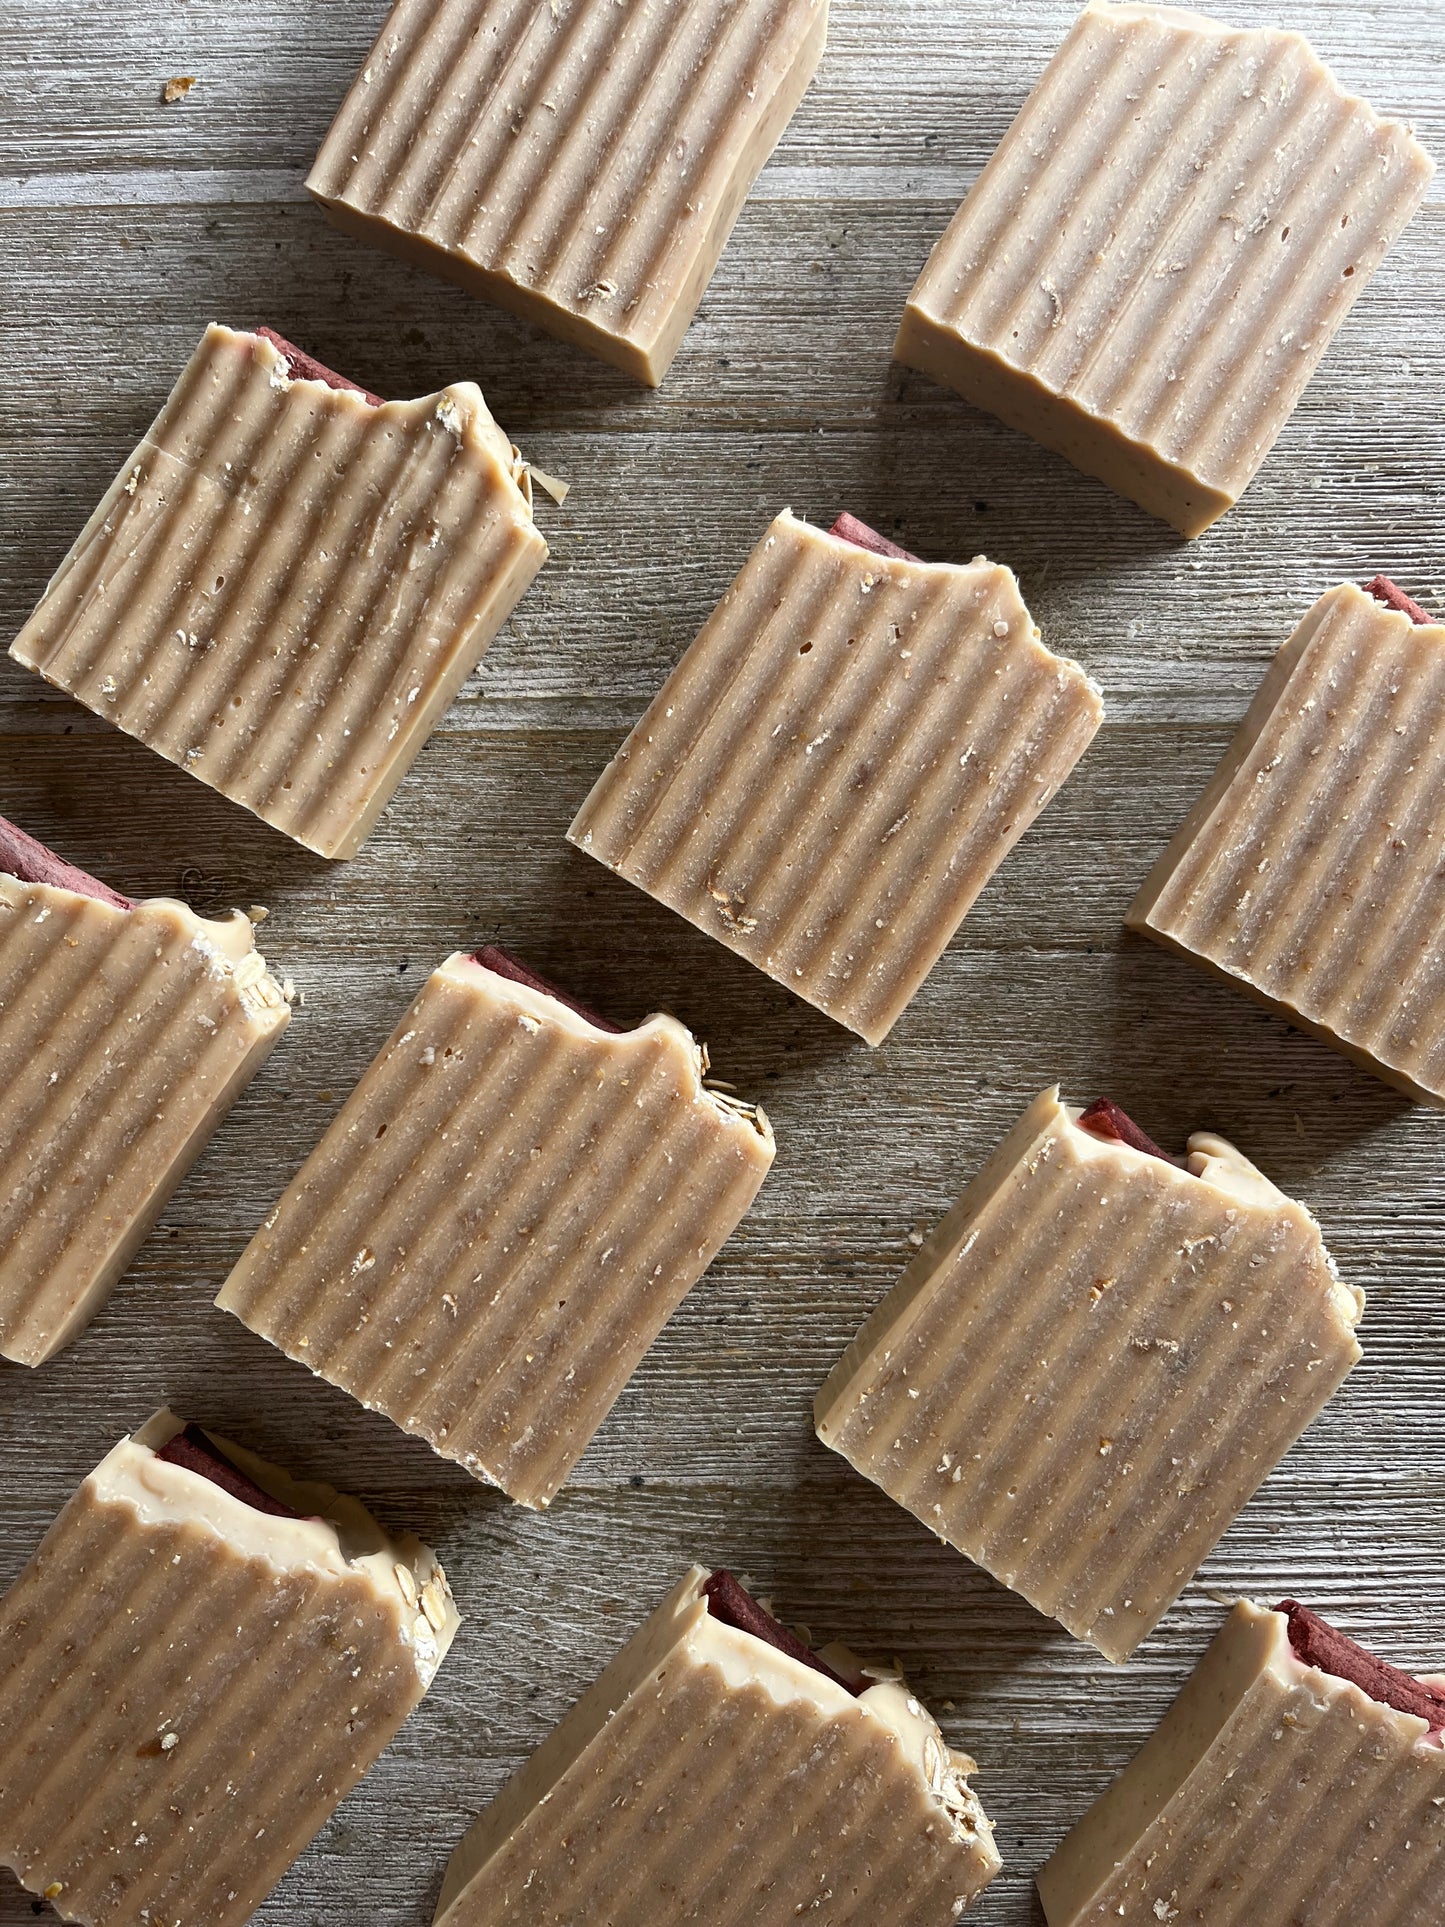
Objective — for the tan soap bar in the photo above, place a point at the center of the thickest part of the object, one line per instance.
(715, 1772)
(1092, 1362)
(202, 1658)
(500, 1220)
(289, 581)
(127, 1031)
(840, 762)
(1147, 272)
(1276, 1792)
(578, 162)
(1311, 873)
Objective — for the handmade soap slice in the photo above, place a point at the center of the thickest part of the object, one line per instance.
(1092, 1363)
(1147, 272)
(501, 1219)
(840, 762)
(127, 1031)
(289, 581)
(580, 163)
(201, 1659)
(718, 1771)
(1311, 873)
(1284, 1788)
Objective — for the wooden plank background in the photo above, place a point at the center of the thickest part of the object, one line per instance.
(124, 227)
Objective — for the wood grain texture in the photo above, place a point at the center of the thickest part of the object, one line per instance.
(125, 226)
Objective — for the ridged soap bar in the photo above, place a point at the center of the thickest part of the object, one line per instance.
(501, 1219)
(1311, 873)
(839, 763)
(191, 1680)
(1092, 1363)
(289, 581)
(1274, 1793)
(578, 162)
(127, 1031)
(708, 1776)
(1147, 272)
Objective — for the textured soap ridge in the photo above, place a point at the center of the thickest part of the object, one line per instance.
(286, 585)
(1166, 240)
(280, 1686)
(499, 1222)
(1089, 1367)
(1310, 1803)
(1310, 872)
(839, 763)
(579, 162)
(126, 1035)
(684, 1788)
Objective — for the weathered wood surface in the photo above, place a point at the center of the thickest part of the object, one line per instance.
(124, 226)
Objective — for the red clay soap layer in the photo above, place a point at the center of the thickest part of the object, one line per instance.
(1108, 1120)
(734, 1605)
(848, 528)
(22, 856)
(1384, 590)
(193, 1450)
(304, 367)
(1318, 1644)
(503, 964)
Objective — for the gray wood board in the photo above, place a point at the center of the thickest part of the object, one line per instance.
(124, 227)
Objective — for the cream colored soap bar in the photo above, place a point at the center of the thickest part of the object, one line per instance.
(1310, 871)
(1092, 1363)
(1147, 272)
(578, 162)
(1274, 1793)
(501, 1219)
(127, 1031)
(191, 1679)
(840, 762)
(709, 1775)
(289, 581)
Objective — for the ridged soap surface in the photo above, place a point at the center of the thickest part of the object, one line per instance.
(499, 1222)
(839, 763)
(581, 161)
(712, 1796)
(1312, 871)
(1166, 239)
(1312, 1806)
(285, 586)
(280, 1686)
(1088, 1369)
(125, 1036)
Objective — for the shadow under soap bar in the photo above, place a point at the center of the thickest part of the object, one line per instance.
(127, 1031)
(1147, 272)
(1092, 1363)
(578, 162)
(500, 1220)
(289, 581)
(840, 761)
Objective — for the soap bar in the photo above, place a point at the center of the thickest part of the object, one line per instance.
(189, 1684)
(1311, 872)
(501, 1219)
(1147, 272)
(289, 581)
(1091, 1364)
(579, 163)
(840, 761)
(127, 1031)
(1274, 1793)
(709, 1774)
